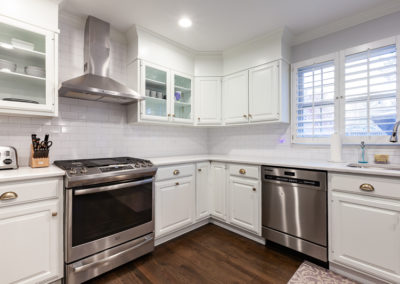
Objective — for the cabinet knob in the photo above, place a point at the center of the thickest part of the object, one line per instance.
(254, 189)
(367, 187)
(176, 172)
(242, 171)
(244, 115)
(199, 170)
(177, 183)
(54, 214)
(169, 114)
(8, 195)
(173, 115)
(198, 118)
(250, 116)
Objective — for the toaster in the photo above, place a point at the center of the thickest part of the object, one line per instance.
(8, 158)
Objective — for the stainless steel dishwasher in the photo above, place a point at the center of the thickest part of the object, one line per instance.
(294, 209)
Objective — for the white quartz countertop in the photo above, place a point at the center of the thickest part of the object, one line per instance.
(279, 162)
(23, 173)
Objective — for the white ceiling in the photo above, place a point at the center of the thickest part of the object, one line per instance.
(220, 24)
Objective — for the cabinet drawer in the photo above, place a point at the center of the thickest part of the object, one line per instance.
(363, 184)
(30, 190)
(177, 171)
(244, 171)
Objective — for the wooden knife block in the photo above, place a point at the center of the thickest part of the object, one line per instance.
(38, 162)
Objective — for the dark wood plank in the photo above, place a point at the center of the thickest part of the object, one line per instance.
(209, 254)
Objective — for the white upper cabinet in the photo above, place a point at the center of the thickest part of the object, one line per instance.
(28, 66)
(168, 94)
(155, 84)
(255, 91)
(264, 97)
(182, 98)
(235, 98)
(208, 100)
(260, 94)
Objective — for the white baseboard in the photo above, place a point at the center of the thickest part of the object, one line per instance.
(355, 275)
(238, 231)
(253, 237)
(163, 239)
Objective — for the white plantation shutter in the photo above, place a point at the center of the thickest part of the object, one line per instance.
(314, 103)
(370, 92)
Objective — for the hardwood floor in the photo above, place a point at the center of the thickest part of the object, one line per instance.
(209, 254)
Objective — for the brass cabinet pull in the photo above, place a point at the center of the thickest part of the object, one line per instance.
(250, 116)
(177, 183)
(169, 114)
(367, 187)
(245, 116)
(8, 195)
(199, 170)
(198, 118)
(176, 172)
(54, 214)
(254, 189)
(173, 115)
(242, 171)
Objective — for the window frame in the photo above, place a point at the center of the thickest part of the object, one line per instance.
(339, 58)
(295, 67)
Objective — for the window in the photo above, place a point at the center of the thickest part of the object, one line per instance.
(370, 92)
(361, 104)
(315, 100)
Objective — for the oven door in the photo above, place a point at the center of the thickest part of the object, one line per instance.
(103, 216)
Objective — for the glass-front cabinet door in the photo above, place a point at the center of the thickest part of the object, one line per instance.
(182, 98)
(155, 87)
(27, 69)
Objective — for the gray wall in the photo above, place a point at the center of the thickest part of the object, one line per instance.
(369, 31)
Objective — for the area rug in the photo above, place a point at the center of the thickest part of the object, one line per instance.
(309, 273)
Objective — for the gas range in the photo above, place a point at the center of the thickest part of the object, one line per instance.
(105, 170)
(108, 214)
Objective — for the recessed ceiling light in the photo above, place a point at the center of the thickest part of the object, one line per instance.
(185, 22)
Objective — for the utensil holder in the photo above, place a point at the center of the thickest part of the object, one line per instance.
(39, 161)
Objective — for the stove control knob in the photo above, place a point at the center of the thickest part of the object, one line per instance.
(83, 170)
(72, 171)
(137, 165)
(149, 164)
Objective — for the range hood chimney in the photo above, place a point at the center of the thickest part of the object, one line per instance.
(95, 84)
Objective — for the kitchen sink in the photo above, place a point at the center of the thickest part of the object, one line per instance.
(375, 166)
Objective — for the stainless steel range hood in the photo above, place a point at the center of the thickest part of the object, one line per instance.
(95, 84)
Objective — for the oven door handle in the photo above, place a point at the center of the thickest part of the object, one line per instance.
(146, 240)
(111, 187)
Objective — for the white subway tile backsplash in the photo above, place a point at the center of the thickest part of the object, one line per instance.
(86, 129)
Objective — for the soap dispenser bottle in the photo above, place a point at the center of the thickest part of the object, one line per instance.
(363, 156)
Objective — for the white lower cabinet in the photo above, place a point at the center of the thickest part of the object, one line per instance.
(244, 203)
(174, 201)
(218, 190)
(31, 238)
(365, 234)
(190, 193)
(202, 191)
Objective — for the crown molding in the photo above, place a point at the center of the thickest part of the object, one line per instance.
(347, 22)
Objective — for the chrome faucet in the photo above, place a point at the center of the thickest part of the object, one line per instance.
(394, 137)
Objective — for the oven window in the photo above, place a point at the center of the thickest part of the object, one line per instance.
(98, 215)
